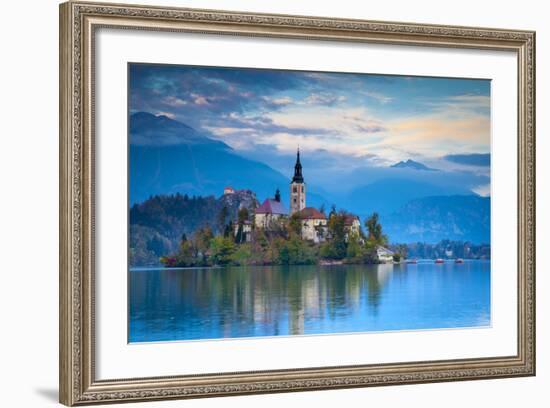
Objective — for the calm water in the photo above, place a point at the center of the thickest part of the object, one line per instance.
(189, 304)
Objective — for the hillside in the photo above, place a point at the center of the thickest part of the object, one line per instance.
(432, 219)
(389, 195)
(157, 224)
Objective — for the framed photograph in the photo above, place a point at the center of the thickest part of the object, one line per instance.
(256, 203)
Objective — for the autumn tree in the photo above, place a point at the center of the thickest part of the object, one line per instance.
(374, 229)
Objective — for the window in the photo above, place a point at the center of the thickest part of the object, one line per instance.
(294, 189)
(302, 189)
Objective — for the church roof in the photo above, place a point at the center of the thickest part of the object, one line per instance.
(310, 213)
(271, 206)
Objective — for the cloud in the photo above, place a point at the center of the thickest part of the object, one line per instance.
(462, 104)
(391, 118)
(322, 98)
(200, 100)
(277, 102)
(167, 114)
(483, 190)
(173, 101)
(440, 133)
(383, 99)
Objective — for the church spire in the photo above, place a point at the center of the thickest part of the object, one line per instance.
(298, 178)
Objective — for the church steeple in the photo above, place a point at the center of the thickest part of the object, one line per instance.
(298, 177)
(278, 196)
(297, 188)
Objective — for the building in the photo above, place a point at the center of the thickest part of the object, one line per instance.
(297, 188)
(352, 225)
(384, 254)
(314, 224)
(270, 212)
(228, 190)
(245, 228)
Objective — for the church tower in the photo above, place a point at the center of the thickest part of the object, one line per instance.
(297, 188)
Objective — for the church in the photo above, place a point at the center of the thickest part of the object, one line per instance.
(272, 210)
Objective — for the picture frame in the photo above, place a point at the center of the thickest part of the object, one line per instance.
(79, 23)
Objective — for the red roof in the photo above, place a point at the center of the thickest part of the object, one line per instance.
(350, 219)
(310, 213)
(228, 188)
(271, 206)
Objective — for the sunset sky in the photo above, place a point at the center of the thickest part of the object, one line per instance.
(346, 121)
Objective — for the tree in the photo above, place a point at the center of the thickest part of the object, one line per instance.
(222, 216)
(337, 232)
(354, 249)
(221, 250)
(202, 242)
(239, 237)
(185, 255)
(243, 215)
(242, 255)
(296, 252)
(295, 225)
(228, 232)
(374, 229)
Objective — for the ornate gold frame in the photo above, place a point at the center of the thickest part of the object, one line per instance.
(78, 22)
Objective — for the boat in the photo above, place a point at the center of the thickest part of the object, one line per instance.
(439, 261)
(459, 260)
(411, 261)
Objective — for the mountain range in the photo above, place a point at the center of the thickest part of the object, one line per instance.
(431, 219)
(411, 164)
(169, 157)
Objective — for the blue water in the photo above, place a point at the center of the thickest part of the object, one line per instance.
(213, 303)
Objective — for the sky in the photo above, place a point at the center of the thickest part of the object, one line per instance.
(344, 121)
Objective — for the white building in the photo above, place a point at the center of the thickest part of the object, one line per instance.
(384, 254)
(271, 212)
(314, 224)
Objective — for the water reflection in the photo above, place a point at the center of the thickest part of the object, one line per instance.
(190, 304)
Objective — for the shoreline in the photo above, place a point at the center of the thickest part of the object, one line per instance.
(321, 263)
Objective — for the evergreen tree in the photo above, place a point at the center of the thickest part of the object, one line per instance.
(243, 214)
(228, 231)
(222, 216)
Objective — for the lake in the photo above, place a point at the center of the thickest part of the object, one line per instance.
(214, 303)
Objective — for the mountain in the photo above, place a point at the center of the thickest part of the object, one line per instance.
(169, 157)
(388, 195)
(432, 219)
(147, 129)
(411, 164)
